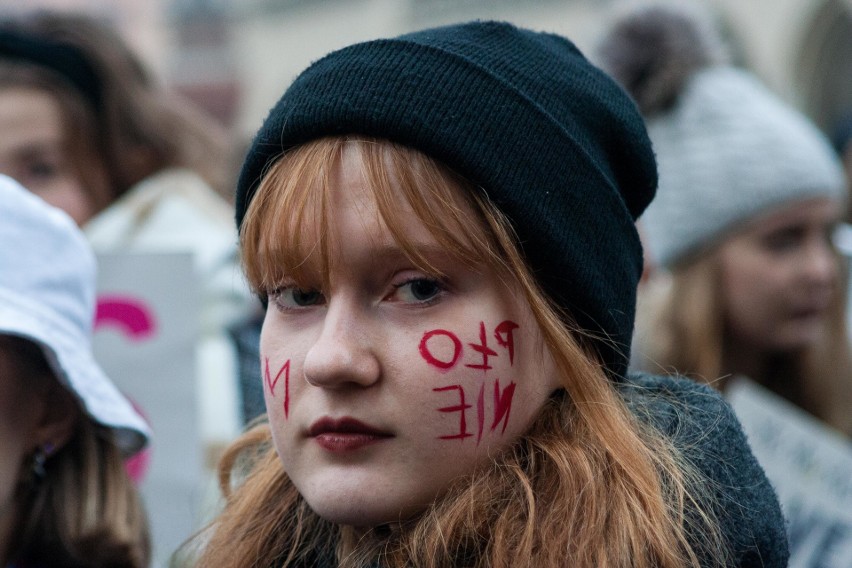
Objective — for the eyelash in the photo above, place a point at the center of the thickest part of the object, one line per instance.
(440, 286)
(274, 296)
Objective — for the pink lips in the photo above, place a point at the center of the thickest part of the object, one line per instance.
(345, 434)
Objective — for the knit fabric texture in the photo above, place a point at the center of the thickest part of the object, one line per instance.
(703, 427)
(551, 139)
(727, 151)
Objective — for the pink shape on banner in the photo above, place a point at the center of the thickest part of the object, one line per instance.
(135, 321)
(130, 315)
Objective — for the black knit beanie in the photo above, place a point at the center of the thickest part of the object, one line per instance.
(552, 141)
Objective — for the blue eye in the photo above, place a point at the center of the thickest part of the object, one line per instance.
(306, 297)
(419, 290)
(290, 297)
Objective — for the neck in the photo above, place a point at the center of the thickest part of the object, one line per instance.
(740, 359)
(778, 372)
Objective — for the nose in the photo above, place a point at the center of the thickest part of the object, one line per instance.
(343, 353)
(821, 266)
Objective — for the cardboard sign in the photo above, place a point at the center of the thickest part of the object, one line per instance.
(810, 467)
(146, 331)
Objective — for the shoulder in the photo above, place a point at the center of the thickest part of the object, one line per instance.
(697, 420)
(704, 429)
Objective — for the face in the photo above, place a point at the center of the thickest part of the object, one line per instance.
(18, 425)
(32, 151)
(387, 384)
(780, 277)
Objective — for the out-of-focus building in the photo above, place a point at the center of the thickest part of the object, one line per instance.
(236, 57)
(141, 22)
(801, 48)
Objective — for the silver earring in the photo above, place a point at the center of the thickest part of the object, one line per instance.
(40, 458)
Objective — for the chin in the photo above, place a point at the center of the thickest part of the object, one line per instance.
(799, 337)
(361, 515)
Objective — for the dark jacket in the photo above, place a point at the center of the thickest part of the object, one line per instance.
(703, 426)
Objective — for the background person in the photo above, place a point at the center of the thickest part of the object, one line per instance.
(65, 497)
(742, 225)
(88, 129)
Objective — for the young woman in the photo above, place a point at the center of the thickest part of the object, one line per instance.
(749, 197)
(88, 129)
(65, 497)
(442, 226)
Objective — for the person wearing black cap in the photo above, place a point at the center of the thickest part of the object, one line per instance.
(442, 228)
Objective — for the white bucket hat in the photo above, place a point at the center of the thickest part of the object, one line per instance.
(47, 295)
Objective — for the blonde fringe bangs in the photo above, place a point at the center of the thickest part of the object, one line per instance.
(588, 485)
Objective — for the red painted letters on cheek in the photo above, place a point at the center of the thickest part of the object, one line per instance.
(503, 334)
(502, 402)
(461, 407)
(271, 383)
(434, 361)
(482, 348)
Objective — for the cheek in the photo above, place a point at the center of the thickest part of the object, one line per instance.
(755, 302)
(748, 279)
(16, 434)
(280, 362)
(757, 286)
(487, 384)
(66, 193)
(275, 372)
(741, 294)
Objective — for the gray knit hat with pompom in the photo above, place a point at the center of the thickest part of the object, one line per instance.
(727, 149)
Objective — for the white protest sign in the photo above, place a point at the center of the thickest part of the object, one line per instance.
(810, 467)
(146, 331)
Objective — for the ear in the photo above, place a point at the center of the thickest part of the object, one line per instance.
(59, 413)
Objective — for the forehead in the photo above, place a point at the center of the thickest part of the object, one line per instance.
(359, 190)
(28, 114)
(390, 184)
(390, 204)
(816, 212)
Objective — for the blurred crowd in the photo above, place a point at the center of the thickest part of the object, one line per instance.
(746, 275)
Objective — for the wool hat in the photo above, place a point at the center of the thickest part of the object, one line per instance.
(47, 295)
(727, 148)
(552, 140)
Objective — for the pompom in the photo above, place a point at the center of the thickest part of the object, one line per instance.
(654, 50)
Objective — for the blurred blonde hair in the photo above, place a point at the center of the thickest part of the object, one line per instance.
(588, 485)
